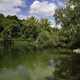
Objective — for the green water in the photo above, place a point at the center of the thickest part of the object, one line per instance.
(31, 66)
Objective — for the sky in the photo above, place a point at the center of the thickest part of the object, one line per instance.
(25, 8)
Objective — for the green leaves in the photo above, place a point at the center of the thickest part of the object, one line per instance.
(69, 36)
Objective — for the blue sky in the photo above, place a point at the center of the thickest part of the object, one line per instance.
(25, 8)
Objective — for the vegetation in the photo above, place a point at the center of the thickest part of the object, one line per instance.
(36, 37)
(70, 32)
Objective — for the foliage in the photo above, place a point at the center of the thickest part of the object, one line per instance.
(69, 18)
(33, 32)
(69, 36)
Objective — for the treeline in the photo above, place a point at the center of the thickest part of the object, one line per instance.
(38, 32)
(31, 30)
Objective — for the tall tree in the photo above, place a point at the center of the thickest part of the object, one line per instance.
(70, 32)
(31, 28)
(69, 18)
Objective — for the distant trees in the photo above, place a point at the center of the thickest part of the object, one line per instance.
(35, 31)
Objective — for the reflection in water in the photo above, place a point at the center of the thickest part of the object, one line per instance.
(20, 73)
(33, 67)
(53, 62)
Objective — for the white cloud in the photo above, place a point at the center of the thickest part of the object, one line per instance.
(10, 7)
(22, 17)
(56, 26)
(43, 8)
(53, 23)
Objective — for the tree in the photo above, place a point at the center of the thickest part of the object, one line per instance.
(69, 35)
(2, 18)
(69, 18)
(31, 28)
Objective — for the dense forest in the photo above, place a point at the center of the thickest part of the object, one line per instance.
(20, 37)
